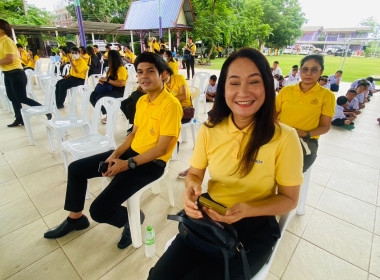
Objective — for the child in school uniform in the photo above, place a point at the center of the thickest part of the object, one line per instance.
(210, 90)
(353, 102)
(340, 117)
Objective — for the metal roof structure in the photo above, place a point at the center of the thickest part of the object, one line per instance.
(143, 15)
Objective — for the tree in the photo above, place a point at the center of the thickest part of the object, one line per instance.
(101, 11)
(285, 18)
(373, 24)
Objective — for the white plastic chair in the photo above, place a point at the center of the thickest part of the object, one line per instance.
(3, 96)
(29, 86)
(50, 73)
(131, 71)
(49, 107)
(94, 143)
(203, 78)
(61, 125)
(263, 272)
(133, 205)
(94, 79)
(194, 98)
(303, 192)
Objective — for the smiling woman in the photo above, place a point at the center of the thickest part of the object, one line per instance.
(255, 164)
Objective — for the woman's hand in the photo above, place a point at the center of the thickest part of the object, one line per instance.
(103, 79)
(190, 196)
(234, 214)
(115, 166)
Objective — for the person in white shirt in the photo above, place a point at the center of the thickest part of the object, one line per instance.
(340, 118)
(293, 77)
(353, 102)
(276, 69)
(335, 80)
(324, 81)
(210, 89)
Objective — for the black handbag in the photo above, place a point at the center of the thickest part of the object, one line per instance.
(218, 240)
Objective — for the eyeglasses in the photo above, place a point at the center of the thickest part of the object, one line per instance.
(313, 70)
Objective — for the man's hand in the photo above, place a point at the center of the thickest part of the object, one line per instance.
(234, 214)
(115, 166)
(301, 133)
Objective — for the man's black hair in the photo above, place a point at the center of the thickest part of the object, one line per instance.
(152, 58)
(213, 77)
(341, 100)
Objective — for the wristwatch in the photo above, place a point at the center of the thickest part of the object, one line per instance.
(108, 79)
(131, 163)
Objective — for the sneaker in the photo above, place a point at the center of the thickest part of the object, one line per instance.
(348, 127)
(183, 174)
(126, 239)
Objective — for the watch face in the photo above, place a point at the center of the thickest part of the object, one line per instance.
(131, 163)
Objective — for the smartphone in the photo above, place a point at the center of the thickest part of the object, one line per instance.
(212, 205)
(103, 167)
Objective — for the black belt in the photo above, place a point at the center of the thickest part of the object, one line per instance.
(13, 71)
(159, 162)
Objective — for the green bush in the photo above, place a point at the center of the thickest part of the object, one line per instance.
(137, 47)
(181, 46)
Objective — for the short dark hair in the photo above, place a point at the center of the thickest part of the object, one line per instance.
(169, 54)
(6, 27)
(352, 90)
(276, 62)
(108, 46)
(96, 46)
(341, 100)
(317, 57)
(83, 49)
(33, 50)
(370, 79)
(75, 49)
(128, 47)
(152, 58)
(339, 71)
(363, 82)
(19, 45)
(191, 38)
(213, 77)
(295, 67)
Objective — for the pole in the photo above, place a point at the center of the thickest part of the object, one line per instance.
(178, 40)
(170, 40)
(78, 13)
(93, 38)
(25, 8)
(345, 55)
(160, 19)
(132, 44)
(141, 42)
(14, 35)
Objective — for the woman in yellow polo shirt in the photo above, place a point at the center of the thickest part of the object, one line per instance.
(32, 57)
(168, 57)
(307, 106)
(255, 164)
(114, 84)
(83, 54)
(14, 76)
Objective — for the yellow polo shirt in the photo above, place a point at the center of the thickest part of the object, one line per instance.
(31, 63)
(106, 55)
(86, 58)
(122, 73)
(156, 46)
(7, 46)
(279, 162)
(121, 53)
(174, 66)
(131, 56)
(153, 119)
(303, 110)
(24, 58)
(192, 48)
(176, 82)
(81, 68)
(65, 58)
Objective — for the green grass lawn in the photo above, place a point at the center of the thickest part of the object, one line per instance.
(354, 67)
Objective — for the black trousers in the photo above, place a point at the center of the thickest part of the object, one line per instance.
(95, 96)
(183, 261)
(107, 207)
(190, 63)
(15, 86)
(62, 86)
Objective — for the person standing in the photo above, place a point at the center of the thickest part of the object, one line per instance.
(14, 76)
(189, 57)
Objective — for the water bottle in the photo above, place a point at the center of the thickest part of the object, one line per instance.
(150, 246)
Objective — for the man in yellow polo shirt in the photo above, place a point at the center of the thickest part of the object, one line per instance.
(138, 161)
(129, 55)
(23, 55)
(76, 77)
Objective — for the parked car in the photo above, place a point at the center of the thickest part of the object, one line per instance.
(332, 50)
(290, 51)
(100, 43)
(318, 50)
(307, 49)
(341, 52)
(113, 45)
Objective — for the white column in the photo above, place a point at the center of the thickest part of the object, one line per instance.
(14, 35)
(93, 38)
(149, 36)
(113, 38)
(187, 36)
(170, 40)
(56, 35)
(132, 45)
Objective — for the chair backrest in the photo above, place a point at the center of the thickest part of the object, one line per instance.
(131, 71)
(112, 106)
(84, 93)
(66, 70)
(128, 87)
(50, 93)
(37, 67)
(94, 78)
(203, 78)
(57, 66)
(195, 92)
(29, 76)
(86, 79)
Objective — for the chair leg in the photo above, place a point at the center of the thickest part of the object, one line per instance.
(303, 193)
(184, 134)
(175, 152)
(28, 129)
(88, 195)
(65, 159)
(156, 188)
(50, 137)
(205, 103)
(170, 192)
(193, 133)
(133, 205)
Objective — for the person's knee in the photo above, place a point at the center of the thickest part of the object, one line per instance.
(96, 212)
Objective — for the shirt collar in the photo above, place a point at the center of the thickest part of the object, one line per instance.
(232, 127)
(317, 87)
(163, 94)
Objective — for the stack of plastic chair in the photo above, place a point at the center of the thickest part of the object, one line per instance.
(61, 125)
(203, 78)
(29, 86)
(7, 106)
(49, 107)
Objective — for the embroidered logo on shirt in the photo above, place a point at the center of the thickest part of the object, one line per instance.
(314, 101)
(259, 161)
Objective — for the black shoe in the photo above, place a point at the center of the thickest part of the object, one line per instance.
(16, 123)
(48, 116)
(67, 227)
(126, 239)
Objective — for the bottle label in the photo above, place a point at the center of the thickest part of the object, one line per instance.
(150, 241)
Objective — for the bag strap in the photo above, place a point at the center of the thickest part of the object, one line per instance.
(244, 260)
(226, 263)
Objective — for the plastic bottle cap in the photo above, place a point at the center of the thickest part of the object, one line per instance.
(149, 228)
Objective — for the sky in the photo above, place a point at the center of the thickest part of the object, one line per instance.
(327, 13)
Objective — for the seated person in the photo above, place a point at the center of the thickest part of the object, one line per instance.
(324, 81)
(65, 58)
(210, 90)
(293, 77)
(23, 55)
(281, 83)
(168, 57)
(97, 52)
(118, 48)
(93, 63)
(176, 85)
(255, 164)
(276, 83)
(83, 54)
(32, 57)
(129, 56)
(76, 77)
(360, 93)
(353, 102)
(342, 118)
(372, 87)
(140, 160)
(105, 56)
(113, 84)
(335, 80)
(356, 82)
(128, 106)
